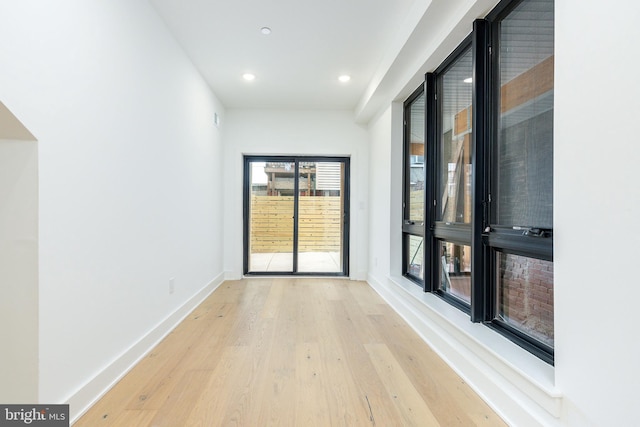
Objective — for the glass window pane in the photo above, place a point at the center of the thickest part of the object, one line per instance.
(525, 142)
(415, 256)
(525, 295)
(455, 270)
(455, 142)
(415, 151)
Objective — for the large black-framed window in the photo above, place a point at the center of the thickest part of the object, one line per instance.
(413, 200)
(488, 232)
(519, 237)
(449, 110)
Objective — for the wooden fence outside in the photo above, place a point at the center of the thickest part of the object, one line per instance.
(319, 225)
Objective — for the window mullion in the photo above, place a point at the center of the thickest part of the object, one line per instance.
(431, 208)
(480, 291)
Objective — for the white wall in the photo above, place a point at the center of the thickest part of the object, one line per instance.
(294, 132)
(597, 206)
(380, 194)
(385, 193)
(18, 270)
(130, 177)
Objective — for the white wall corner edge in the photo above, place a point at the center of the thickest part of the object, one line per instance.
(515, 398)
(82, 400)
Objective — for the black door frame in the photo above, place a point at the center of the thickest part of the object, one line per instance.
(246, 190)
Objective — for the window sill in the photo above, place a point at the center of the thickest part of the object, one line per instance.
(518, 385)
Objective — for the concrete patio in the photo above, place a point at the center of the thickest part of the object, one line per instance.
(308, 262)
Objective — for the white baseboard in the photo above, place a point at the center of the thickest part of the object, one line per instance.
(232, 275)
(93, 390)
(517, 385)
(359, 275)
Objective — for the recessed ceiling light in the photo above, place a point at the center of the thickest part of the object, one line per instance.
(248, 76)
(344, 78)
(468, 80)
(265, 30)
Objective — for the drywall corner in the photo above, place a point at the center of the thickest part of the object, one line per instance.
(18, 261)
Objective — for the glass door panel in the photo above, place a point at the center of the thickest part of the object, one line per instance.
(271, 213)
(320, 217)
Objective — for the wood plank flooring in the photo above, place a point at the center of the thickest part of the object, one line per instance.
(291, 352)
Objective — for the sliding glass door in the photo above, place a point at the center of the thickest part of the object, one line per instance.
(296, 215)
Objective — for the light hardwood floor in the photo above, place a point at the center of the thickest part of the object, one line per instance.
(291, 352)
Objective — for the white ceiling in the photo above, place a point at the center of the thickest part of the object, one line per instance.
(298, 64)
